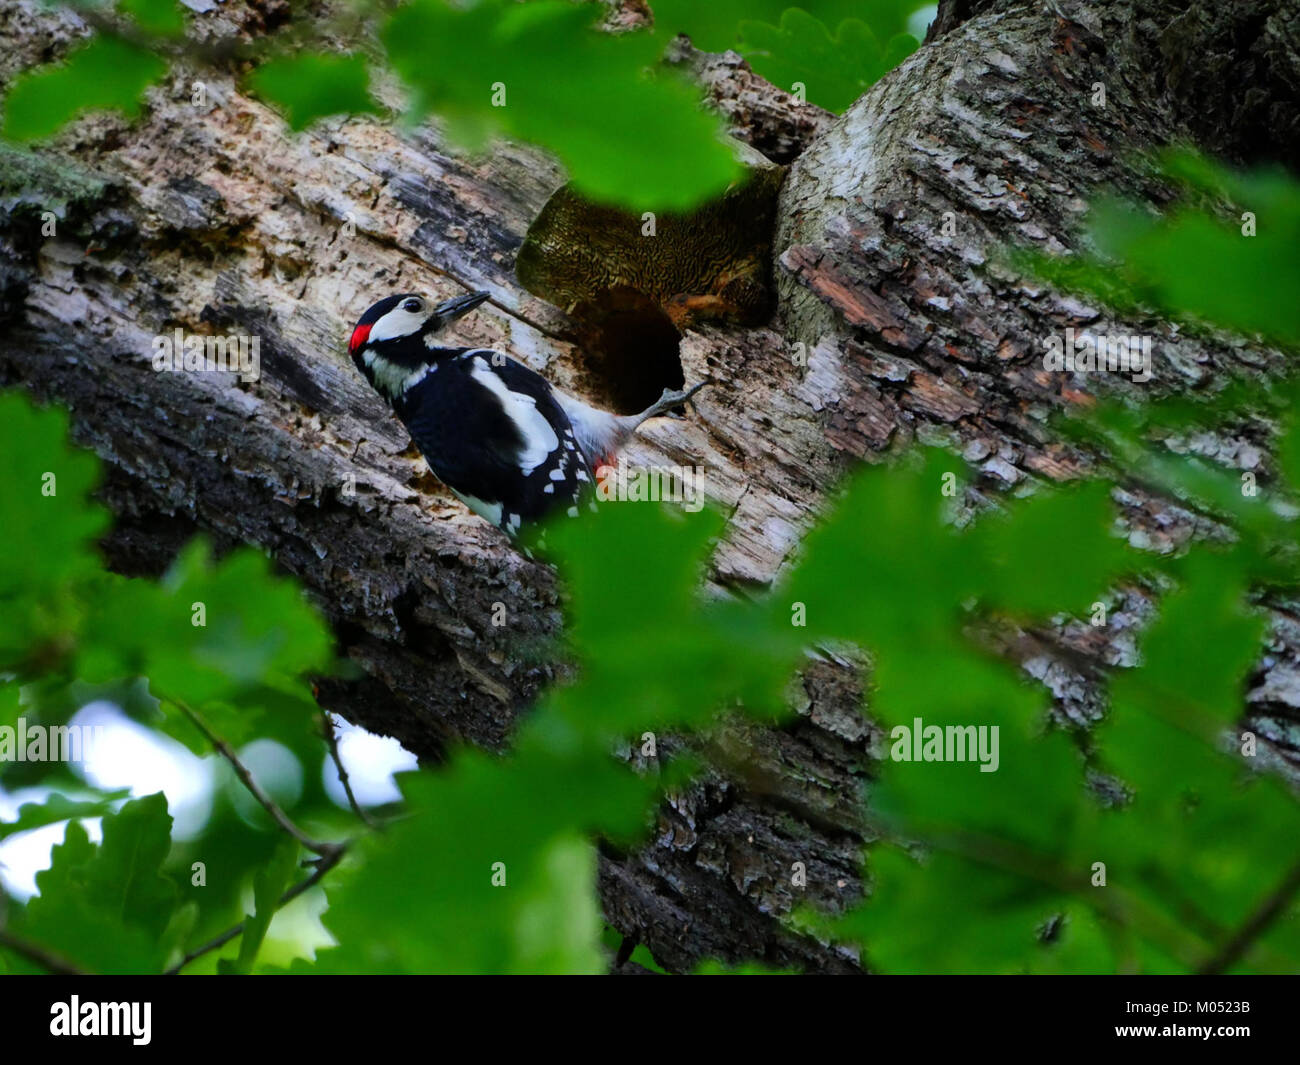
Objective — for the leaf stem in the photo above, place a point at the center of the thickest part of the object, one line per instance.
(246, 778)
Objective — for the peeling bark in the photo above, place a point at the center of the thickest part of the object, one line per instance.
(219, 220)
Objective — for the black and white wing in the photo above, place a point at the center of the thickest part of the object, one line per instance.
(492, 431)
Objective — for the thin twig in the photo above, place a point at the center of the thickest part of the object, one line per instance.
(327, 727)
(33, 952)
(1118, 905)
(269, 804)
(323, 866)
(1256, 924)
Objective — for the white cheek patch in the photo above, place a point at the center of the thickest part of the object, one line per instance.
(397, 323)
(539, 438)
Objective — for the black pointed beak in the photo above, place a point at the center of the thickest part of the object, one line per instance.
(449, 310)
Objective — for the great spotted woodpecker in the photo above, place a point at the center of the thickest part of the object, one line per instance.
(510, 445)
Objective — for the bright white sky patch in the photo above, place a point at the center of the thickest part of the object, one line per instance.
(370, 761)
(24, 855)
(129, 755)
(125, 755)
(919, 21)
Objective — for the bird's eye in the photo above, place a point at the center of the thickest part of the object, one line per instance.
(414, 306)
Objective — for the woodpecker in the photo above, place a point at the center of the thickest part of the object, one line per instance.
(509, 445)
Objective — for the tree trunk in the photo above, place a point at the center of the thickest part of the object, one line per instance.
(217, 219)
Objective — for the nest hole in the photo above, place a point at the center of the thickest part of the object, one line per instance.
(629, 352)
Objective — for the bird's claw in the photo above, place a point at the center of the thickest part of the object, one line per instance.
(675, 397)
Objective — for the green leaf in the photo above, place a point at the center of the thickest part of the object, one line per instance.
(989, 916)
(1198, 841)
(1184, 675)
(725, 649)
(313, 86)
(1011, 782)
(715, 26)
(269, 884)
(541, 72)
(717, 968)
(431, 897)
(1056, 551)
(1199, 262)
(890, 533)
(55, 808)
(835, 69)
(50, 528)
(558, 921)
(237, 640)
(105, 74)
(163, 17)
(117, 887)
(1288, 446)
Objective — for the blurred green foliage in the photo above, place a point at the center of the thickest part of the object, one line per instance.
(166, 18)
(229, 637)
(106, 73)
(628, 129)
(490, 865)
(834, 68)
(1224, 255)
(834, 49)
(311, 86)
(542, 72)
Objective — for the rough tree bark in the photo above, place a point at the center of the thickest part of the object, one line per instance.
(217, 219)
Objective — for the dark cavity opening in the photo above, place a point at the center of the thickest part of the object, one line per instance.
(628, 349)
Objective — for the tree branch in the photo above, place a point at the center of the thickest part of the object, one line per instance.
(331, 738)
(1254, 926)
(282, 819)
(45, 958)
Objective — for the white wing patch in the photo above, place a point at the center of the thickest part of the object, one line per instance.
(539, 438)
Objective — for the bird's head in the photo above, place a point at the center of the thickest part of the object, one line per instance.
(401, 329)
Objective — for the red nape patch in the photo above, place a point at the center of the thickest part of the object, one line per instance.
(359, 335)
(605, 470)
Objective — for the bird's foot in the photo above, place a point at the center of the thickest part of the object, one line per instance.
(670, 399)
